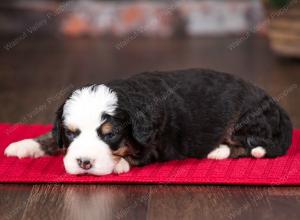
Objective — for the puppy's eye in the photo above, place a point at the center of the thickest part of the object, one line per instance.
(72, 134)
(110, 135)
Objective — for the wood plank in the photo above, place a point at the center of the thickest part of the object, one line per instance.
(63, 201)
(13, 200)
(221, 202)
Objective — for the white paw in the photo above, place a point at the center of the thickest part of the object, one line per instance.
(258, 152)
(24, 148)
(220, 153)
(122, 166)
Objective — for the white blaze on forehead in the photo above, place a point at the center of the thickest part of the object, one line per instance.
(85, 106)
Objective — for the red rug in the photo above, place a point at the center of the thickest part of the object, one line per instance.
(280, 171)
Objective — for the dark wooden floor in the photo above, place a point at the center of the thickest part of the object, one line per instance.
(36, 74)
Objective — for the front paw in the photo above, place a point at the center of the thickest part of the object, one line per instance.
(122, 166)
(24, 148)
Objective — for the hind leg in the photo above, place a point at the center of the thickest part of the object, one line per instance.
(259, 147)
(258, 138)
(261, 150)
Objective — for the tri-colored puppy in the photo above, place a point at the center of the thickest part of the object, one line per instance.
(161, 116)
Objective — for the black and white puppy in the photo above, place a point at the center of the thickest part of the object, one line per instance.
(161, 116)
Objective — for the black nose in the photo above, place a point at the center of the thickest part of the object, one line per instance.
(84, 163)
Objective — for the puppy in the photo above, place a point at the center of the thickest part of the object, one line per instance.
(162, 116)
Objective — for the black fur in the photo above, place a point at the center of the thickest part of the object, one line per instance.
(188, 113)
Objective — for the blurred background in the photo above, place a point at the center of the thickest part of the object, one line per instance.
(50, 47)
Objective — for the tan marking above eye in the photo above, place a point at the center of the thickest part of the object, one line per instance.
(106, 128)
(72, 128)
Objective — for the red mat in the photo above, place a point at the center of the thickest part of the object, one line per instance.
(280, 171)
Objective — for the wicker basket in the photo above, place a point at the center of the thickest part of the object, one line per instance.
(284, 30)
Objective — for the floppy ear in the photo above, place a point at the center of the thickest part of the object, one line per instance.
(142, 127)
(58, 129)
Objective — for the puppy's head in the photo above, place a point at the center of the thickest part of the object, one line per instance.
(93, 130)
